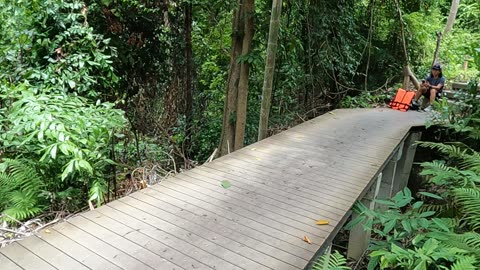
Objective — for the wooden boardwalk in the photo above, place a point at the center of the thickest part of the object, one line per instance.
(280, 188)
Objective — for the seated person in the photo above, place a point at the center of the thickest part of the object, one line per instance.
(431, 87)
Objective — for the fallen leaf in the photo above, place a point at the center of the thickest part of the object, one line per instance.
(332, 113)
(226, 184)
(253, 149)
(306, 239)
(258, 158)
(322, 222)
(47, 231)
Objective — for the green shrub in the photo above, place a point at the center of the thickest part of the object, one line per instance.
(66, 138)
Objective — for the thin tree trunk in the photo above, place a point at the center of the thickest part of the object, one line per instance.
(227, 138)
(407, 72)
(188, 74)
(437, 48)
(448, 28)
(369, 41)
(248, 19)
(452, 16)
(402, 29)
(269, 68)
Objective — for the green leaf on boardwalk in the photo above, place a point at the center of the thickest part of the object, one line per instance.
(226, 184)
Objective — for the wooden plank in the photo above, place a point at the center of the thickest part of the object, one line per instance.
(133, 234)
(329, 142)
(331, 151)
(142, 225)
(306, 197)
(271, 181)
(291, 171)
(138, 252)
(196, 184)
(294, 234)
(212, 182)
(313, 162)
(50, 254)
(77, 251)
(229, 259)
(238, 254)
(240, 244)
(305, 190)
(107, 251)
(25, 258)
(256, 196)
(258, 171)
(268, 245)
(8, 264)
(205, 203)
(327, 207)
(229, 219)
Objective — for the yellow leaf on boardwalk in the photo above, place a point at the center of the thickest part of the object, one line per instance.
(322, 222)
(47, 231)
(306, 239)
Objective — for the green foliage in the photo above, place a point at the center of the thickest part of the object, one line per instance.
(53, 46)
(53, 67)
(411, 238)
(469, 201)
(331, 261)
(21, 190)
(365, 100)
(428, 255)
(70, 147)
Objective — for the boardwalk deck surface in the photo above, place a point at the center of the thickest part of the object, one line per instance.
(280, 188)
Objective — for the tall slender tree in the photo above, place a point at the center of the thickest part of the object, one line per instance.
(452, 16)
(448, 28)
(235, 107)
(269, 68)
(248, 17)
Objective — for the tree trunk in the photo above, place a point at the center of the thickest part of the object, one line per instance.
(452, 16)
(189, 88)
(248, 19)
(269, 68)
(227, 138)
(402, 29)
(407, 72)
(437, 49)
(408, 77)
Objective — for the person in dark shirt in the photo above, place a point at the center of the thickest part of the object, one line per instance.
(431, 87)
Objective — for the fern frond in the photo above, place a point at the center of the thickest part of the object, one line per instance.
(331, 261)
(438, 208)
(469, 201)
(469, 241)
(471, 162)
(465, 263)
(21, 189)
(456, 150)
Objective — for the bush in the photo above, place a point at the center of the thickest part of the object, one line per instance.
(63, 137)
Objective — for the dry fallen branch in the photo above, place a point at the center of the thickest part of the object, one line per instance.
(16, 231)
